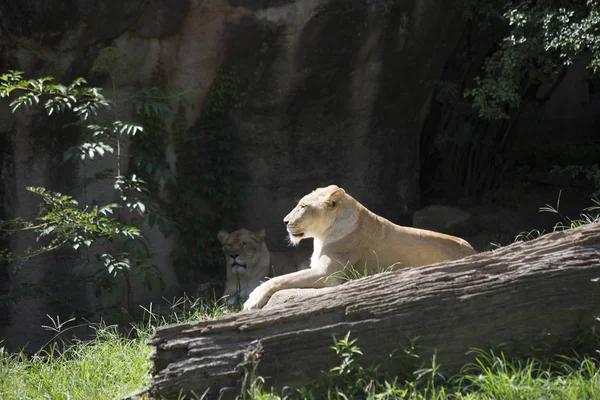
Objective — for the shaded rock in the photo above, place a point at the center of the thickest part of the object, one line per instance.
(331, 92)
(438, 218)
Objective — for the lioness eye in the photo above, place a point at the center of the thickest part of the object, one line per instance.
(227, 246)
(244, 245)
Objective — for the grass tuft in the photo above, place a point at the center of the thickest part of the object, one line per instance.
(492, 375)
(112, 365)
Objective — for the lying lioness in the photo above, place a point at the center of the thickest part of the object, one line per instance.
(249, 262)
(345, 234)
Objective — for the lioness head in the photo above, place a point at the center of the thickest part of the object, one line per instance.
(242, 249)
(314, 214)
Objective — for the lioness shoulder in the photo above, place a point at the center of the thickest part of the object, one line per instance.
(345, 233)
(248, 262)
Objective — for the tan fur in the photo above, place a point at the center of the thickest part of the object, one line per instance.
(346, 233)
(249, 262)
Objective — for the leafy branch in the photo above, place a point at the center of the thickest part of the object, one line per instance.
(62, 221)
(544, 38)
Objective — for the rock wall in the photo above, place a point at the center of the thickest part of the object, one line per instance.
(333, 92)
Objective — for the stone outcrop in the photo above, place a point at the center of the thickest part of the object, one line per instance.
(450, 220)
(332, 91)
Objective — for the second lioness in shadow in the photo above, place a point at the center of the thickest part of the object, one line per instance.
(249, 262)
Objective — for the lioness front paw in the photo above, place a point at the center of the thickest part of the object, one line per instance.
(257, 299)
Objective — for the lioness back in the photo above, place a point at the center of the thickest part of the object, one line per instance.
(444, 245)
(412, 247)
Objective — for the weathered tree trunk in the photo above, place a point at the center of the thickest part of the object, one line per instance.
(512, 295)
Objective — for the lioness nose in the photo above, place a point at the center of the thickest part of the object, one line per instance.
(285, 221)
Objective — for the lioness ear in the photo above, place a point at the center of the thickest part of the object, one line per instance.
(335, 198)
(222, 235)
(260, 233)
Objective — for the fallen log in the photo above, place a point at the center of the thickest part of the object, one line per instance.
(510, 295)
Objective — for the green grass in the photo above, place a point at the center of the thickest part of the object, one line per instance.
(493, 375)
(110, 366)
(590, 215)
(115, 364)
(349, 272)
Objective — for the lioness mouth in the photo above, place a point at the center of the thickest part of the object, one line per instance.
(237, 264)
(297, 234)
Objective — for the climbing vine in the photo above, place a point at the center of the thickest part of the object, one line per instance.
(207, 194)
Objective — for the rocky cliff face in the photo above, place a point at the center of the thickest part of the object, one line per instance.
(332, 92)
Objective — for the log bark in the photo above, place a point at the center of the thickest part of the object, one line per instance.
(511, 295)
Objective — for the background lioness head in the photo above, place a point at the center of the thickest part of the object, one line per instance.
(242, 249)
(314, 213)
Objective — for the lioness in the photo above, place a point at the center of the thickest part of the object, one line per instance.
(346, 233)
(249, 262)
